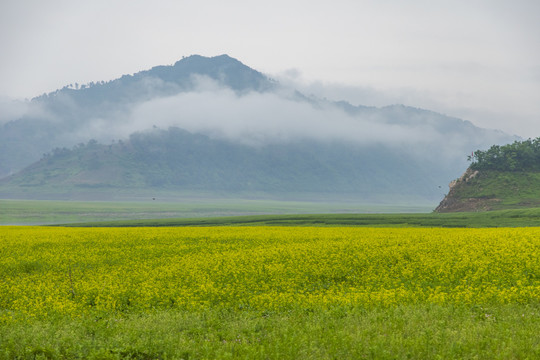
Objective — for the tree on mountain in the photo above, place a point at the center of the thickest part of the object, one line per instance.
(518, 156)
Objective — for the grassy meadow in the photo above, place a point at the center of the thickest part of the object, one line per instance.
(269, 292)
(250, 212)
(43, 212)
(501, 218)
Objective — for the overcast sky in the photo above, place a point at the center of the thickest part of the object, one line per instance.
(474, 59)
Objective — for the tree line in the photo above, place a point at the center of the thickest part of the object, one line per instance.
(518, 156)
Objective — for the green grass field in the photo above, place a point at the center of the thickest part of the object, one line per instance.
(502, 218)
(401, 332)
(34, 212)
(250, 212)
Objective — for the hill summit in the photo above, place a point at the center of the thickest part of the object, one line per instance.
(502, 177)
(78, 113)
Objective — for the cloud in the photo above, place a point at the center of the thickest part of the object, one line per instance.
(512, 108)
(485, 50)
(11, 110)
(259, 118)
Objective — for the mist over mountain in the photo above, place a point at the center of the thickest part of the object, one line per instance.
(241, 131)
(77, 113)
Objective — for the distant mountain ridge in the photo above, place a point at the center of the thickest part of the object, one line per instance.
(283, 141)
(168, 79)
(64, 111)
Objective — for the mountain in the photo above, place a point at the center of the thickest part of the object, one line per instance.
(61, 118)
(175, 160)
(502, 177)
(215, 126)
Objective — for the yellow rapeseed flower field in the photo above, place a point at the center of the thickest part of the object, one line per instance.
(73, 271)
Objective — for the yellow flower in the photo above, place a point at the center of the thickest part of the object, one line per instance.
(46, 270)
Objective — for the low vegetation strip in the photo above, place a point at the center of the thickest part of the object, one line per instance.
(527, 217)
(88, 282)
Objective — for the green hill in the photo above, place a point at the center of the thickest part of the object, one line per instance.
(175, 161)
(502, 177)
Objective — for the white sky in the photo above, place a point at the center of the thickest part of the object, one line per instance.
(474, 59)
